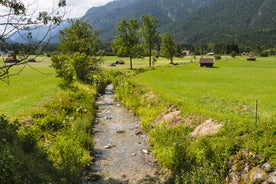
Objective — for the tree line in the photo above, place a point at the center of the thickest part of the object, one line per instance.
(136, 38)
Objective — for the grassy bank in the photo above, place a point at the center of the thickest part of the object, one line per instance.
(50, 142)
(226, 94)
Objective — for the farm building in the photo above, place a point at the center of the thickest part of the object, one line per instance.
(206, 62)
(186, 52)
(251, 57)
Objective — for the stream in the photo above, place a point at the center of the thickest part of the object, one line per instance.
(120, 147)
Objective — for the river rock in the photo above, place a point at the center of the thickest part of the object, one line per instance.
(110, 145)
(120, 131)
(93, 176)
(145, 151)
(248, 167)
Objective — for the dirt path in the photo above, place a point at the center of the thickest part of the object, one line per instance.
(120, 150)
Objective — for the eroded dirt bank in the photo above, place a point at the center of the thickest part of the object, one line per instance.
(120, 150)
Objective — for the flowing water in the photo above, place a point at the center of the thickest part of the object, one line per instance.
(120, 150)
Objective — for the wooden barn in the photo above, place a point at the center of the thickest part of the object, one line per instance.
(206, 62)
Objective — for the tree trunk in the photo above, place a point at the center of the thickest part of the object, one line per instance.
(130, 59)
(150, 54)
(171, 61)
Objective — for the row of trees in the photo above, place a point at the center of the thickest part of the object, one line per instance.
(79, 45)
(135, 39)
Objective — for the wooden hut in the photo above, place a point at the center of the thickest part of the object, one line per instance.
(206, 62)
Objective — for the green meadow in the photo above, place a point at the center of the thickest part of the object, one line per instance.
(230, 89)
(35, 83)
(139, 62)
(226, 94)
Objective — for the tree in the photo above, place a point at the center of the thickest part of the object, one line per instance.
(168, 47)
(150, 33)
(15, 17)
(127, 39)
(79, 44)
(79, 37)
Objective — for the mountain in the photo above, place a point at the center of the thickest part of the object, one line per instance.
(246, 22)
(106, 17)
(45, 33)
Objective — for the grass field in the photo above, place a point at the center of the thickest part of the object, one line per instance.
(229, 89)
(35, 84)
(139, 62)
(226, 94)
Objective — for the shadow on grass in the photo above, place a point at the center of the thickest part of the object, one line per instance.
(21, 159)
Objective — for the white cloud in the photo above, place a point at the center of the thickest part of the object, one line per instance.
(78, 8)
(74, 8)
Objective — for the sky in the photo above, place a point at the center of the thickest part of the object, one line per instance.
(74, 8)
(79, 7)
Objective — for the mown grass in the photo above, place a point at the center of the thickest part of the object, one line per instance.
(140, 62)
(229, 89)
(34, 84)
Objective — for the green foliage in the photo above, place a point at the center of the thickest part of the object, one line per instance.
(52, 144)
(80, 42)
(168, 47)
(84, 66)
(80, 37)
(127, 39)
(64, 70)
(62, 128)
(150, 33)
(20, 160)
(77, 66)
(217, 57)
(166, 141)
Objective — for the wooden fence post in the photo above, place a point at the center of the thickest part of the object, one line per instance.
(256, 112)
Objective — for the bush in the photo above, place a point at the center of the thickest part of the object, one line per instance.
(53, 145)
(217, 57)
(21, 161)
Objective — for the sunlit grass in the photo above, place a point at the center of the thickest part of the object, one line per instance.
(140, 62)
(36, 83)
(229, 89)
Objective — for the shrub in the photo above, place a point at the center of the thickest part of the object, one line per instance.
(53, 145)
(217, 57)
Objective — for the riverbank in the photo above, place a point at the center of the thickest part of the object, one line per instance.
(121, 149)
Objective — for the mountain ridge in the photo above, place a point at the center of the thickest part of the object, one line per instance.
(240, 22)
(196, 22)
(105, 18)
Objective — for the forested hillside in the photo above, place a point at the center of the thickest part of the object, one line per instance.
(247, 22)
(106, 17)
(250, 24)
